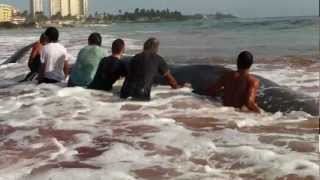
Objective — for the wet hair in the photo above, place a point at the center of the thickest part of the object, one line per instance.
(152, 44)
(52, 34)
(95, 39)
(245, 60)
(117, 46)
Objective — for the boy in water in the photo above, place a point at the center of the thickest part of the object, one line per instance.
(142, 70)
(239, 87)
(110, 68)
(54, 59)
(34, 59)
(87, 62)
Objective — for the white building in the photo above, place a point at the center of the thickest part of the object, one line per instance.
(54, 7)
(36, 6)
(78, 8)
(85, 8)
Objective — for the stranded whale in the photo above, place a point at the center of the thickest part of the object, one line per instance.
(271, 96)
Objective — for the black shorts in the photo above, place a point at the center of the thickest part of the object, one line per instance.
(48, 81)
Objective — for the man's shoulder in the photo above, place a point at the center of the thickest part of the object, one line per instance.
(253, 80)
(37, 44)
(97, 48)
(160, 58)
(107, 59)
(139, 55)
(59, 45)
(92, 48)
(54, 46)
(230, 74)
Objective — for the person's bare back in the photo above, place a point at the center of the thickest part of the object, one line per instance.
(239, 89)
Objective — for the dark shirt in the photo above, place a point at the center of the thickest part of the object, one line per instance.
(142, 69)
(109, 71)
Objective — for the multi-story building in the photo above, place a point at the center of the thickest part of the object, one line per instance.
(54, 7)
(78, 8)
(6, 12)
(85, 8)
(36, 6)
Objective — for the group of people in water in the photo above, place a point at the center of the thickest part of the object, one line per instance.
(93, 69)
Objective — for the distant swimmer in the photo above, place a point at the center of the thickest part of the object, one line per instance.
(143, 68)
(239, 87)
(110, 68)
(34, 59)
(87, 62)
(54, 59)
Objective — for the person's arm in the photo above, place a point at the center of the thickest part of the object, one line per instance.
(66, 69)
(42, 66)
(164, 70)
(216, 87)
(171, 80)
(251, 98)
(35, 50)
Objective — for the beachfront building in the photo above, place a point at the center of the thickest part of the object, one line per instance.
(54, 7)
(36, 6)
(77, 8)
(6, 12)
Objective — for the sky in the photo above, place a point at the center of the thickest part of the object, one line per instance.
(241, 8)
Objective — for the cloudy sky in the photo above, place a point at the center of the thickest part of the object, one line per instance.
(242, 8)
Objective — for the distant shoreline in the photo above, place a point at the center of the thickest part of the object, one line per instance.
(139, 16)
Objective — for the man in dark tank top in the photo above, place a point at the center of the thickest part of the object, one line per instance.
(143, 68)
(110, 68)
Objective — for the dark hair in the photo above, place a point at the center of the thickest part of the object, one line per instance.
(52, 34)
(245, 60)
(42, 37)
(95, 39)
(117, 46)
(152, 44)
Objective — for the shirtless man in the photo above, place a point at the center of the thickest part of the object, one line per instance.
(34, 60)
(239, 87)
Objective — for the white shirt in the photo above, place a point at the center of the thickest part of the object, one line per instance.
(53, 56)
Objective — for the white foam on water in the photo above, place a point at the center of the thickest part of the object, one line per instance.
(162, 141)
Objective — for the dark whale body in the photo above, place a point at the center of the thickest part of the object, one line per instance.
(271, 96)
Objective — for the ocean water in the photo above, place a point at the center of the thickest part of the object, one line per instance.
(53, 132)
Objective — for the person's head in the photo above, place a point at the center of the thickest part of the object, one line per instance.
(43, 39)
(95, 39)
(245, 60)
(151, 45)
(52, 34)
(118, 46)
